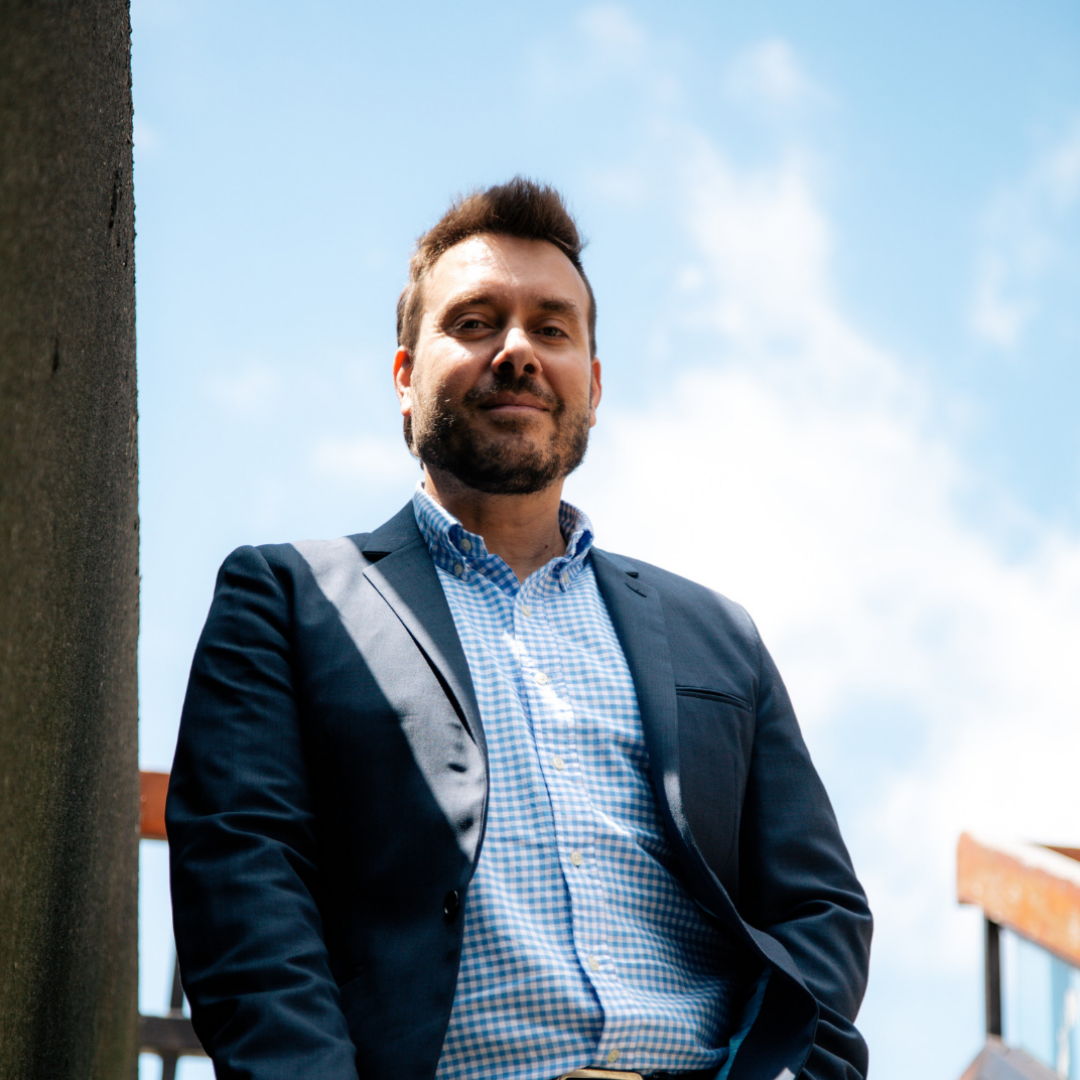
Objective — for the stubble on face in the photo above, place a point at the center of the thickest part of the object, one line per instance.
(447, 436)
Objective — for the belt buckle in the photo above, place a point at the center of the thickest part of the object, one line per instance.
(599, 1074)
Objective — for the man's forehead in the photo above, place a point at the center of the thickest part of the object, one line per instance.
(496, 264)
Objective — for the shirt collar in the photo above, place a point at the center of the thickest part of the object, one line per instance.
(462, 553)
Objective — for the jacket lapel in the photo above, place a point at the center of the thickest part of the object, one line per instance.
(401, 571)
(638, 618)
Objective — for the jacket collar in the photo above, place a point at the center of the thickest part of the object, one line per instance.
(400, 531)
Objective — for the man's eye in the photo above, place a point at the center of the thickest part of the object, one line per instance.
(551, 331)
(469, 324)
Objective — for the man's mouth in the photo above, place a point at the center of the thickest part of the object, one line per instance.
(522, 397)
(511, 408)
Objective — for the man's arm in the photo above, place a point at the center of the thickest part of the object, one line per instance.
(243, 848)
(797, 883)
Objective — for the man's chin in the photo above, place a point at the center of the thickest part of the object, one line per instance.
(513, 456)
(496, 468)
(524, 477)
(511, 444)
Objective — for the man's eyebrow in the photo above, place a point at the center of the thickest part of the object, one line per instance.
(554, 304)
(558, 306)
(470, 300)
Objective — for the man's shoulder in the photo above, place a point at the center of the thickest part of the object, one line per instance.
(685, 596)
(399, 531)
(285, 554)
(288, 555)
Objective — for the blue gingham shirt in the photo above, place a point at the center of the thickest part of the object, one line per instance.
(581, 947)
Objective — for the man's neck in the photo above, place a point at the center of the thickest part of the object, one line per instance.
(523, 530)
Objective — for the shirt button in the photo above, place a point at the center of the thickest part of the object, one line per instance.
(565, 579)
(459, 569)
(526, 610)
(541, 678)
(451, 903)
(558, 763)
(612, 1056)
(466, 545)
(575, 858)
(594, 963)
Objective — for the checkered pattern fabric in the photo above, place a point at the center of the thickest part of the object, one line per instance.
(581, 947)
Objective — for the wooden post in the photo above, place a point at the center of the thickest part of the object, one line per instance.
(68, 544)
(993, 978)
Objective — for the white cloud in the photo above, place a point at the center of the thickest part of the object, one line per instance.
(366, 460)
(1019, 246)
(614, 33)
(996, 316)
(252, 390)
(767, 245)
(612, 48)
(1059, 172)
(769, 73)
(622, 186)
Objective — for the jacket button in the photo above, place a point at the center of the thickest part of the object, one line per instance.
(451, 903)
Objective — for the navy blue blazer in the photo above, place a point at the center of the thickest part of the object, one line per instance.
(326, 811)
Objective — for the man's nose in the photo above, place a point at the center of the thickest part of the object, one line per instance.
(517, 352)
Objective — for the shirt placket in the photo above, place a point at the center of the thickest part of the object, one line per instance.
(556, 734)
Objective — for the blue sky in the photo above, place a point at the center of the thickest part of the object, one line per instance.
(836, 250)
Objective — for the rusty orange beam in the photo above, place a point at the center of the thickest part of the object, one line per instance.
(1068, 852)
(1031, 889)
(153, 787)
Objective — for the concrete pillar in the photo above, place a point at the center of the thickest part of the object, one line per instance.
(69, 583)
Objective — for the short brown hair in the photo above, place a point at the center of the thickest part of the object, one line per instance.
(522, 209)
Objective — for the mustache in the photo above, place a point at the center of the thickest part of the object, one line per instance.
(507, 382)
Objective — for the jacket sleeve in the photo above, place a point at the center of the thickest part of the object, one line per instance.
(797, 883)
(243, 847)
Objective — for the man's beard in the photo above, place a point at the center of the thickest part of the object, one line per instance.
(506, 462)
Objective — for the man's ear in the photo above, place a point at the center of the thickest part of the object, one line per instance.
(403, 371)
(595, 390)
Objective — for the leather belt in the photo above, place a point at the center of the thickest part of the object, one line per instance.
(600, 1074)
(614, 1074)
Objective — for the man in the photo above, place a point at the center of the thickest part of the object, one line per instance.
(468, 798)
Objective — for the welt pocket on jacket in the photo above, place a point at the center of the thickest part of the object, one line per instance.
(712, 695)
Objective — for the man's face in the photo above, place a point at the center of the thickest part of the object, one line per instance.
(501, 389)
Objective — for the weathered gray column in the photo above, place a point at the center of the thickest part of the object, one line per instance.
(68, 543)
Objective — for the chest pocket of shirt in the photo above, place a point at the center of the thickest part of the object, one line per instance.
(713, 730)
